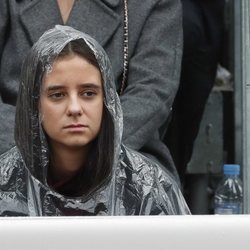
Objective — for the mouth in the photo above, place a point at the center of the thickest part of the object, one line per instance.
(75, 127)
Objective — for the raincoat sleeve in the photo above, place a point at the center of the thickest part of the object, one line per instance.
(169, 197)
(150, 189)
(153, 74)
(6, 121)
(165, 197)
(12, 185)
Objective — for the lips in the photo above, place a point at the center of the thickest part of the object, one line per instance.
(75, 127)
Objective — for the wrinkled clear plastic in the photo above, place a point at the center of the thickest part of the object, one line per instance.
(136, 185)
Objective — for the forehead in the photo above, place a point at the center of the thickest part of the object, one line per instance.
(72, 59)
(72, 67)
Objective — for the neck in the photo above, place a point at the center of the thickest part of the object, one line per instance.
(66, 163)
(65, 8)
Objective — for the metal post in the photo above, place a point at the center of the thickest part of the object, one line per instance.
(242, 93)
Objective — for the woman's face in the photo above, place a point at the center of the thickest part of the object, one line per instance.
(71, 103)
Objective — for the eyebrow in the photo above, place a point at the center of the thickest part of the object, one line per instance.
(82, 85)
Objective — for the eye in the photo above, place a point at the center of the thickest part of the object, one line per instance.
(56, 95)
(88, 93)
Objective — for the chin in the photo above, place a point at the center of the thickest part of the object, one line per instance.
(77, 144)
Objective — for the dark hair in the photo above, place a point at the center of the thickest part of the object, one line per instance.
(100, 159)
(79, 47)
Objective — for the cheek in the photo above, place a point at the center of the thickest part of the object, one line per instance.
(51, 110)
(43, 112)
(95, 114)
(49, 116)
(99, 113)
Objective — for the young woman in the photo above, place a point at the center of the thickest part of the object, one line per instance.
(69, 159)
(151, 29)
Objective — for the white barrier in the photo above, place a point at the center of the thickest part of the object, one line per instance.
(209, 232)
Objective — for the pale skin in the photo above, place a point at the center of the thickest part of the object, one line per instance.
(71, 107)
(65, 7)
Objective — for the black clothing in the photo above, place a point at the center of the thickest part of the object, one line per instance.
(203, 30)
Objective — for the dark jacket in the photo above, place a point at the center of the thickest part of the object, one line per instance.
(155, 46)
(136, 185)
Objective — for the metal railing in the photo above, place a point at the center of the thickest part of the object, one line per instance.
(242, 93)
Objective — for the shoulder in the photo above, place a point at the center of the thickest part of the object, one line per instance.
(145, 170)
(9, 164)
(13, 4)
(151, 4)
(13, 201)
(11, 154)
(147, 184)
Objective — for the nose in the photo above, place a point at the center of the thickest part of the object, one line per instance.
(74, 107)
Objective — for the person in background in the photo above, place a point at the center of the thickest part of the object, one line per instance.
(143, 40)
(69, 157)
(203, 26)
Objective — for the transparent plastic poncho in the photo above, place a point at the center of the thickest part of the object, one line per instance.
(136, 185)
